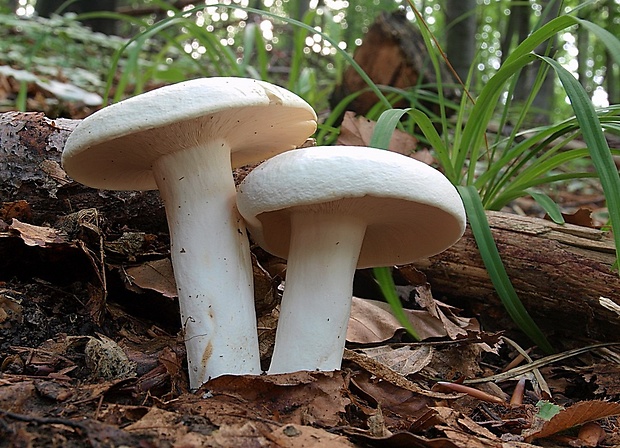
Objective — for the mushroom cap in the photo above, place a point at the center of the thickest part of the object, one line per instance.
(115, 147)
(412, 211)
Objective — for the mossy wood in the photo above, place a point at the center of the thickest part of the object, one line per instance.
(393, 53)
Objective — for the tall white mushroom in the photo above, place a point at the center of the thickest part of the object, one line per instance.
(184, 139)
(330, 210)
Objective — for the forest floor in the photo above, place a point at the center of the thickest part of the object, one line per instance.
(91, 355)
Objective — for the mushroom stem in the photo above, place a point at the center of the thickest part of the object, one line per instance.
(211, 261)
(316, 304)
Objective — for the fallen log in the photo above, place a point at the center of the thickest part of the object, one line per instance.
(560, 272)
(31, 176)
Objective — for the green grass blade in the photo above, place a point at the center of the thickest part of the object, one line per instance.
(387, 123)
(542, 166)
(298, 57)
(608, 39)
(513, 193)
(477, 123)
(382, 134)
(249, 37)
(548, 205)
(473, 134)
(541, 35)
(384, 279)
(262, 57)
(597, 144)
(495, 267)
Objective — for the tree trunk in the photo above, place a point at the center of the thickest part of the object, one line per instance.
(583, 43)
(542, 105)
(11, 6)
(559, 273)
(45, 8)
(517, 28)
(393, 53)
(461, 40)
(612, 75)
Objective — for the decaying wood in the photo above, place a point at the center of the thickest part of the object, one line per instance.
(30, 171)
(393, 54)
(559, 272)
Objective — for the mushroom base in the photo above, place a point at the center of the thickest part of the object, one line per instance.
(316, 303)
(211, 261)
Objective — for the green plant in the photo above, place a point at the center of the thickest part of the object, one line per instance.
(32, 45)
(249, 59)
(512, 168)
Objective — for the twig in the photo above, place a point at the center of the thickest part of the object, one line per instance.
(539, 363)
(44, 420)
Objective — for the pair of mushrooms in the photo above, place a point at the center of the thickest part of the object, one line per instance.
(328, 210)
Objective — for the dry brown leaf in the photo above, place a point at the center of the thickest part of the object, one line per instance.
(164, 424)
(582, 217)
(15, 210)
(464, 439)
(199, 432)
(390, 397)
(267, 325)
(405, 360)
(265, 292)
(154, 275)
(11, 310)
(400, 440)
(316, 398)
(455, 360)
(454, 326)
(54, 390)
(372, 321)
(577, 414)
(296, 436)
(37, 235)
(357, 131)
(606, 376)
(383, 372)
(15, 397)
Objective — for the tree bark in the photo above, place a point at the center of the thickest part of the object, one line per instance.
(461, 39)
(393, 54)
(559, 273)
(30, 171)
(45, 8)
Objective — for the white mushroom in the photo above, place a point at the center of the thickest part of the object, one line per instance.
(330, 210)
(181, 139)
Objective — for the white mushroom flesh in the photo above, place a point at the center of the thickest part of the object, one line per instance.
(316, 303)
(210, 254)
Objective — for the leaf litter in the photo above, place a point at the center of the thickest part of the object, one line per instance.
(91, 355)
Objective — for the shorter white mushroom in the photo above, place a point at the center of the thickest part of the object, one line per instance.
(330, 210)
(182, 139)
